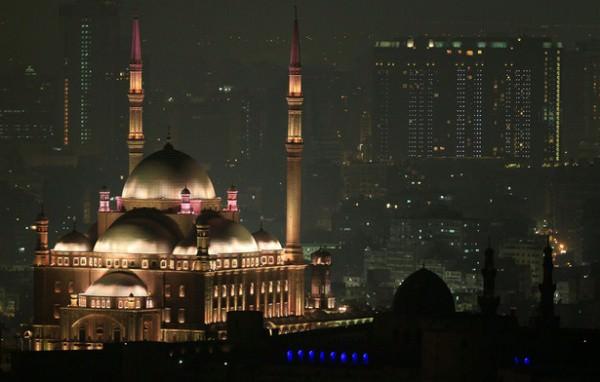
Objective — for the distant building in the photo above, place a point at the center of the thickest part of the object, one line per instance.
(92, 83)
(525, 252)
(27, 104)
(468, 98)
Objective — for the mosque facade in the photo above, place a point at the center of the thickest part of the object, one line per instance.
(168, 259)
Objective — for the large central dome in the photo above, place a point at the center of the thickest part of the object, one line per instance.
(165, 173)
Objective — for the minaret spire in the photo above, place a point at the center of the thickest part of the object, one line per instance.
(488, 301)
(135, 139)
(546, 317)
(294, 146)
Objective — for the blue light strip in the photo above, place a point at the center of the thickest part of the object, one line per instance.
(331, 357)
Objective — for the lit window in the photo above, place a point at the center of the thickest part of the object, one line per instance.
(167, 290)
(57, 287)
(163, 264)
(109, 263)
(145, 263)
(186, 265)
(117, 263)
(167, 315)
(224, 290)
(234, 263)
(59, 261)
(251, 288)
(70, 287)
(226, 263)
(56, 311)
(182, 291)
(76, 261)
(216, 294)
(181, 316)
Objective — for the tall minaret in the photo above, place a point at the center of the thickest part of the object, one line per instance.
(135, 139)
(488, 301)
(293, 146)
(546, 317)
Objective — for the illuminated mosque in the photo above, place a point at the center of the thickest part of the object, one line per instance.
(168, 258)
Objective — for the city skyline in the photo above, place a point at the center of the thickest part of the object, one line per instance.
(300, 189)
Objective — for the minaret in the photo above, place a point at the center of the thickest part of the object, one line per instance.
(135, 139)
(293, 146)
(488, 301)
(42, 252)
(104, 196)
(546, 317)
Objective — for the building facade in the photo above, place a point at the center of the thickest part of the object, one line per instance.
(468, 98)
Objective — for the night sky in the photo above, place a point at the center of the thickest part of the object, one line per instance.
(177, 34)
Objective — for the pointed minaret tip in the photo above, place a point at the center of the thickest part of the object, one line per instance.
(295, 46)
(136, 43)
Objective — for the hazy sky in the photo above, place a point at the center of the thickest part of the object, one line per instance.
(174, 28)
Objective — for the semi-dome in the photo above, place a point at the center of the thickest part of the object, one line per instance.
(226, 236)
(265, 241)
(142, 230)
(74, 241)
(423, 293)
(164, 174)
(118, 284)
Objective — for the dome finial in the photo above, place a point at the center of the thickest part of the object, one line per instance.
(168, 145)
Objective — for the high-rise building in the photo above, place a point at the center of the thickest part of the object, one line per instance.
(92, 67)
(468, 98)
(582, 82)
(27, 102)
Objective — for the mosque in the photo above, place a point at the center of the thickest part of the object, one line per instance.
(168, 259)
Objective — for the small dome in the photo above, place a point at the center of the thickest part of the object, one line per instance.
(118, 284)
(266, 241)
(142, 230)
(74, 241)
(320, 257)
(164, 174)
(226, 236)
(423, 293)
(185, 191)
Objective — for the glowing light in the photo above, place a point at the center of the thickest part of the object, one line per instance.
(290, 355)
(311, 355)
(322, 356)
(516, 360)
(332, 356)
(526, 361)
(301, 354)
(343, 357)
(365, 358)
(354, 357)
